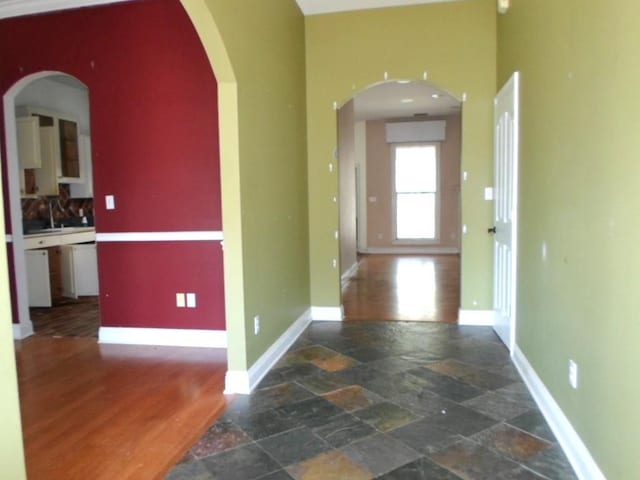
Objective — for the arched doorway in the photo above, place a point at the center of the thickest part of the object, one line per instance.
(399, 167)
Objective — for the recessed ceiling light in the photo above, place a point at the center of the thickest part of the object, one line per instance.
(407, 100)
(435, 95)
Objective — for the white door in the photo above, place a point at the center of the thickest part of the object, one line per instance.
(506, 119)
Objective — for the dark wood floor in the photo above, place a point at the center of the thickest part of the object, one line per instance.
(93, 411)
(68, 318)
(404, 287)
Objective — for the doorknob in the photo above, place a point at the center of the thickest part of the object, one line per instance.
(491, 230)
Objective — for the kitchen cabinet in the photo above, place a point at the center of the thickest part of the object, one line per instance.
(84, 189)
(46, 181)
(79, 264)
(28, 132)
(65, 142)
(38, 278)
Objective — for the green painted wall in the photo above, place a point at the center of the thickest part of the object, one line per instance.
(257, 52)
(11, 449)
(347, 52)
(580, 197)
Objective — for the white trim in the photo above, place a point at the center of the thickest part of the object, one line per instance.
(327, 314)
(411, 250)
(9, 238)
(344, 279)
(16, 8)
(243, 381)
(21, 331)
(476, 318)
(581, 460)
(160, 236)
(163, 336)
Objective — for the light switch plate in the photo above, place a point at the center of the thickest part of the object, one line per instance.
(110, 202)
(191, 300)
(180, 300)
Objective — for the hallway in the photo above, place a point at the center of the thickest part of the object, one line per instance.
(391, 400)
(404, 287)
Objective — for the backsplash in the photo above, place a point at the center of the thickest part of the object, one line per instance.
(66, 210)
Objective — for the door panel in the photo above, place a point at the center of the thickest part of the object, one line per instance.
(506, 119)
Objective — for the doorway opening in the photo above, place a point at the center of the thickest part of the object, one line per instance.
(50, 180)
(399, 154)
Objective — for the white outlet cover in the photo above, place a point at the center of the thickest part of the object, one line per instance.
(191, 300)
(573, 374)
(180, 300)
(110, 202)
(256, 325)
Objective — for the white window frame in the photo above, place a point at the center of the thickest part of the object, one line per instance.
(415, 241)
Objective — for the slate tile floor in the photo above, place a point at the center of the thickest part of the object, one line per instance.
(384, 400)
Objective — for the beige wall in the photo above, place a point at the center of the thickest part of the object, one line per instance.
(347, 179)
(379, 185)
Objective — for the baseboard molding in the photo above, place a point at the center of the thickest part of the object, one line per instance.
(163, 336)
(581, 460)
(21, 331)
(411, 250)
(344, 279)
(244, 381)
(327, 314)
(476, 318)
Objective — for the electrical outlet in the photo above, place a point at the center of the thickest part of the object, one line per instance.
(573, 374)
(256, 325)
(191, 300)
(180, 300)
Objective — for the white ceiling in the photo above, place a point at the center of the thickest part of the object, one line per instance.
(385, 101)
(315, 7)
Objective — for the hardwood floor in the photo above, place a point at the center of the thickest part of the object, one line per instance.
(100, 411)
(68, 318)
(404, 287)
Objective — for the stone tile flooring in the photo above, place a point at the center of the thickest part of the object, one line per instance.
(403, 401)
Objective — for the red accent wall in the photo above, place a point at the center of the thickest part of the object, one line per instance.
(154, 135)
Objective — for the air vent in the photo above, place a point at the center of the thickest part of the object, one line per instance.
(423, 114)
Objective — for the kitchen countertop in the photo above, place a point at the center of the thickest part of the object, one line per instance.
(58, 236)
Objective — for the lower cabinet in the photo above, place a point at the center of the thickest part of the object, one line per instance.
(79, 268)
(38, 278)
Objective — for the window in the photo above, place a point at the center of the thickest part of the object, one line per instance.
(416, 191)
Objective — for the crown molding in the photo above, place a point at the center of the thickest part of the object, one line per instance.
(18, 8)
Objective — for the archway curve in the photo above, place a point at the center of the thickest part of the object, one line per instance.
(381, 101)
(24, 327)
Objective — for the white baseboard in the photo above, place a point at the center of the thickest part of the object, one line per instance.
(411, 250)
(344, 279)
(476, 318)
(327, 314)
(576, 451)
(22, 331)
(163, 336)
(244, 381)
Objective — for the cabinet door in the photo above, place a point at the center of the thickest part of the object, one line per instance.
(28, 131)
(84, 189)
(69, 168)
(85, 261)
(46, 175)
(38, 278)
(67, 271)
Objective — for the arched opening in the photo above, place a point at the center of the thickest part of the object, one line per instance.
(399, 157)
(49, 168)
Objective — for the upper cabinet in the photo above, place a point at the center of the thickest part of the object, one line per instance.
(65, 146)
(28, 130)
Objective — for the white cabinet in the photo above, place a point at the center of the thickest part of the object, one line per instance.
(38, 278)
(79, 268)
(84, 189)
(46, 175)
(28, 131)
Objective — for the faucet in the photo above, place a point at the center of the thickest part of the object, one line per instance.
(51, 224)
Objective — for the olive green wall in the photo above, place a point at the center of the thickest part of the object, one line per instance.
(580, 201)
(347, 52)
(257, 53)
(11, 450)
